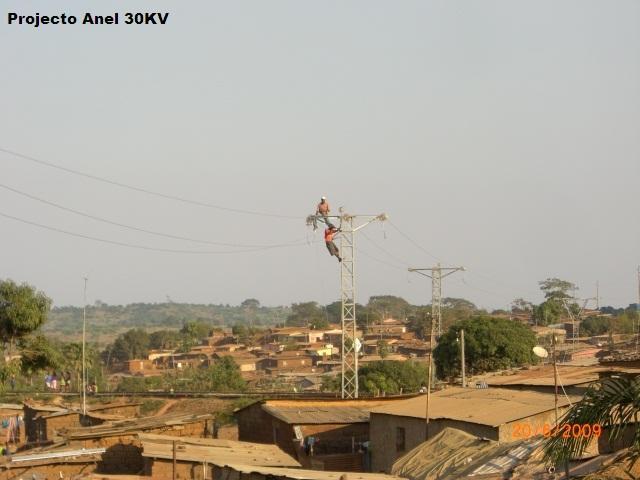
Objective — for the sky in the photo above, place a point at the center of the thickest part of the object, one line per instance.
(502, 136)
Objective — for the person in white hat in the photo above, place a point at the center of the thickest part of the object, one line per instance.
(323, 209)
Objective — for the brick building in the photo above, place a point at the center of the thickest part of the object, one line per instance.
(492, 413)
(338, 428)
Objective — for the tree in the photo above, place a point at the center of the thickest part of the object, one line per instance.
(389, 306)
(490, 344)
(556, 294)
(164, 339)
(383, 348)
(554, 288)
(391, 377)
(419, 322)
(132, 344)
(611, 403)
(23, 310)
(250, 303)
(223, 376)
(520, 305)
(38, 354)
(307, 313)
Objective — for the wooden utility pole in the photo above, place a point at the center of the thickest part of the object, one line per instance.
(175, 460)
(429, 376)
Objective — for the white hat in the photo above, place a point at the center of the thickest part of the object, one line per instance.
(323, 198)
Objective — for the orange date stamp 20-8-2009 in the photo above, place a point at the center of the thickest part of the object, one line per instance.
(567, 430)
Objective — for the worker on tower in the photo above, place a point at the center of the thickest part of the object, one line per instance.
(323, 210)
(329, 233)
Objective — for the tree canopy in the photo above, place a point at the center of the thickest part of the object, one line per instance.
(23, 310)
(556, 293)
(392, 377)
(490, 344)
(307, 313)
(130, 345)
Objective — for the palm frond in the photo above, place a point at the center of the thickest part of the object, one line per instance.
(612, 403)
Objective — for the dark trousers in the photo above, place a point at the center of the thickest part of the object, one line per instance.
(333, 250)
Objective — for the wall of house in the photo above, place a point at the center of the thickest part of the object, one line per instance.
(54, 424)
(162, 469)
(254, 424)
(383, 433)
(52, 470)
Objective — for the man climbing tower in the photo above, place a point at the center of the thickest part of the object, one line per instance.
(329, 233)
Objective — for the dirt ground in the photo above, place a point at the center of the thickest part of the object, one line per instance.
(198, 405)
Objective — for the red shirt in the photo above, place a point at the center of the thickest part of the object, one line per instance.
(328, 235)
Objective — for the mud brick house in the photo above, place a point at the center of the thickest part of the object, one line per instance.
(138, 365)
(247, 362)
(492, 413)
(15, 411)
(286, 361)
(202, 458)
(42, 422)
(66, 463)
(123, 452)
(337, 429)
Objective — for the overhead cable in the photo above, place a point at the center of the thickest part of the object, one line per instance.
(140, 247)
(411, 240)
(143, 230)
(144, 190)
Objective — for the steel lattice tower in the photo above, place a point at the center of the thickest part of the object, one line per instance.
(348, 310)
(436, 275)
(350, 343)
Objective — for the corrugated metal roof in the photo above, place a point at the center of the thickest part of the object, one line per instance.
(301, 412)
(300, 474)
(57, 455)
(215, 451)
(134, 425)
(318, 415)
(492, 406)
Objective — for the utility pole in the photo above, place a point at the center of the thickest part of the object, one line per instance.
(436, 275)
(464, 378)
(350, 343)
(84, 338)
(429, 376)
(597, 295)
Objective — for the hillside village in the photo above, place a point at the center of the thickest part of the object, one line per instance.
(290, 424)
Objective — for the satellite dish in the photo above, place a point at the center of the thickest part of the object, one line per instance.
(358, 345)
(540, 352)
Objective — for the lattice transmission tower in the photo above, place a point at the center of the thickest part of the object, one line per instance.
(436, 274)
(350, 347)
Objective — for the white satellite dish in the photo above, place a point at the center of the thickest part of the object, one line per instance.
(540, 352)
(358, 345)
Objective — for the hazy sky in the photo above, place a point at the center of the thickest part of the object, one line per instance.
(499, 135)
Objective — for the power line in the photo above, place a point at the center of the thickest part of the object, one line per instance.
(411, 240)
(144, 190)
(138, 229)
(379, 260)
(136, 246)
(383, 250)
